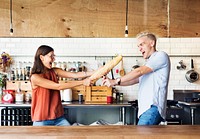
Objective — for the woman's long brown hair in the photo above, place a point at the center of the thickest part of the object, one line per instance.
(38, 66)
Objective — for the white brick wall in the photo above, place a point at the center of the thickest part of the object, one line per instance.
(97, 50)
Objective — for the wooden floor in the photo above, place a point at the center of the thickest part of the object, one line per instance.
(101, 132)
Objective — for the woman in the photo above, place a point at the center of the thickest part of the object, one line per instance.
(46, 104)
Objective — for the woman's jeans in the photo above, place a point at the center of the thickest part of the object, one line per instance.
(61, 121)
(150, 117)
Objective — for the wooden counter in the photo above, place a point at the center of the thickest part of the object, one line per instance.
(101, 132)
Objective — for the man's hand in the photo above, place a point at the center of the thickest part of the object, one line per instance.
(108, 82)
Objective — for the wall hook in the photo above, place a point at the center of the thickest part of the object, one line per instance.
(181, 65)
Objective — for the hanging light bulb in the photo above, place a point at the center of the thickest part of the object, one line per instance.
(126, 31)
(11, 29)
(126, 27)
(11, 25)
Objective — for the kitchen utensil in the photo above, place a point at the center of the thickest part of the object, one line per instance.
(112, 75)
(122, 72)
(191, 75)
(136, 65)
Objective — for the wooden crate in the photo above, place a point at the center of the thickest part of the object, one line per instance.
(25, 87)
(13, 85)
(92, 94)
(98, 93)
(78, 90)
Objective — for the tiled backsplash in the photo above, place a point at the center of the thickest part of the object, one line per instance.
(96, 50)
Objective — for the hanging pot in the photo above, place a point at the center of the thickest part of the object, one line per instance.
(136, 65)
(191, 75)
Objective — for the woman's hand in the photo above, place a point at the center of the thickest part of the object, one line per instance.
(88, 82)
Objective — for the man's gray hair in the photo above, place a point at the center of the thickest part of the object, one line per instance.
(147, 34)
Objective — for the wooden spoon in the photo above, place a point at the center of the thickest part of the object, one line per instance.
(122, 72)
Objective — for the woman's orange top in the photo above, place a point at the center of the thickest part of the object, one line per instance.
(46, 103)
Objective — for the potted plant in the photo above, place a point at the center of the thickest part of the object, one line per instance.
(2, 84)
(5, 61)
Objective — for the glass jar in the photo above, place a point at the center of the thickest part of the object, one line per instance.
(19, 95)
(121, 97)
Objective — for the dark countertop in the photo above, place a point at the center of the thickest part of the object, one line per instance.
(191, 104)
(72, 104)
(15, 104)
(186, 91)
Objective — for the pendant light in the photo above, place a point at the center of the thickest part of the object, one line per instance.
(11, 24)
(126, 27)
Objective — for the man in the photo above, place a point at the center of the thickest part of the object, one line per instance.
(153, 80)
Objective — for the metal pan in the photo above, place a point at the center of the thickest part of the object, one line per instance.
(191, 75)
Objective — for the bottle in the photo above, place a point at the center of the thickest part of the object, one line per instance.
(121, 97)
(12, 76)
(24, 73)
(19, 96)
(16, 74)
(27, 97)
(117, 97)
(1, 87)
(114, 91)
(20, 74)
(28, 70)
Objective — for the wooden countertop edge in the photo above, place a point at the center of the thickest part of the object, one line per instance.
(102, 132)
